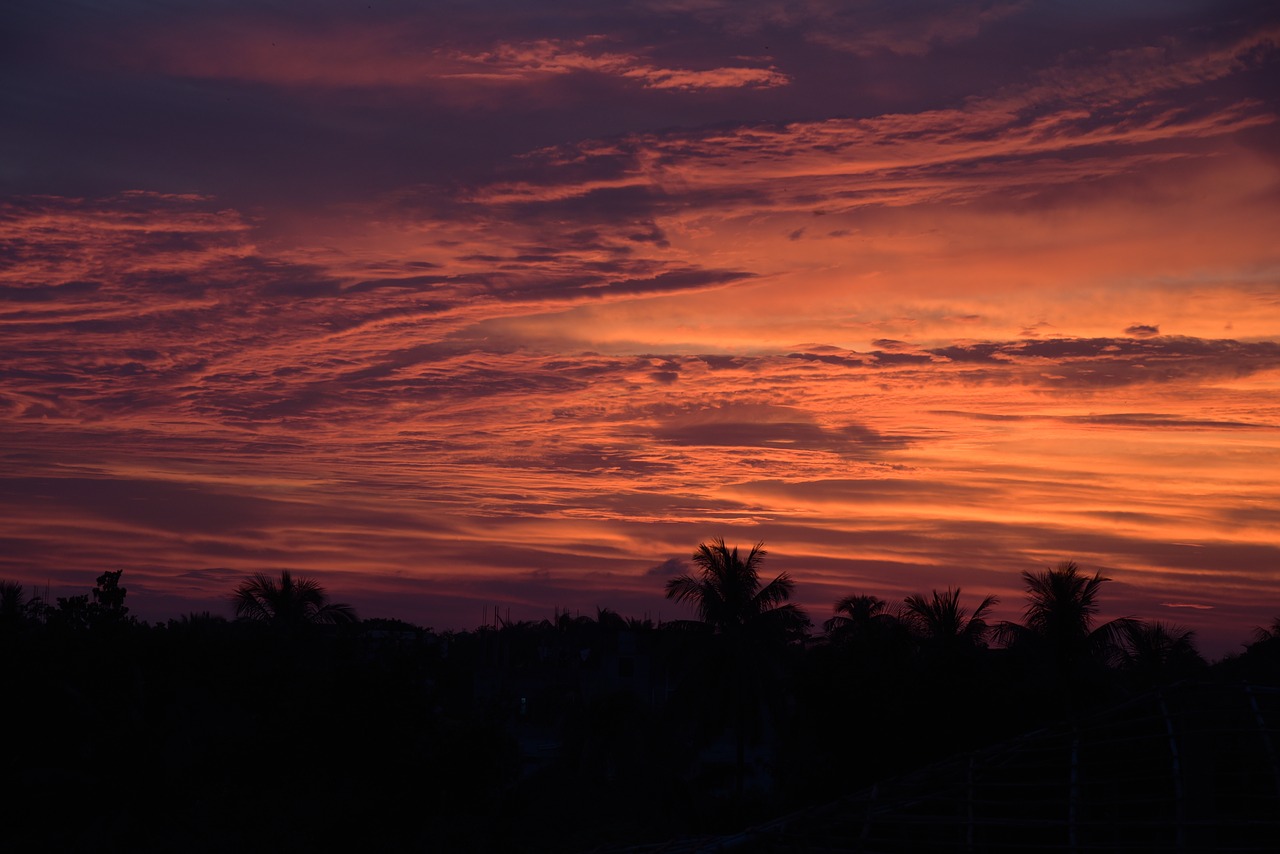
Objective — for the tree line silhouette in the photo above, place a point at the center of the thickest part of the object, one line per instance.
(298, 723)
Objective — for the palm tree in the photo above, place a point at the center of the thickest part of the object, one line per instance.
(854, 613)
(729, 597)
(13, 604)
(1264, 634)
(16, 610)
(864, 628)
(1158, 652)
(949, 663)
(1062, 604)
(1261, 659)
(289, 604)
(750, 625)
(870, 649)
(941, 621)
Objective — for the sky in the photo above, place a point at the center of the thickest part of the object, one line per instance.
(457, 306)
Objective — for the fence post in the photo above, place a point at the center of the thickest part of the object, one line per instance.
(1179, 797)
(1073, 805)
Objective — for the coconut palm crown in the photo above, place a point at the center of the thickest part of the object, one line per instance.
(728, 594)
(1062, 605)
(942, 620)
(1159, 650)
(856, 612)
(289, 602)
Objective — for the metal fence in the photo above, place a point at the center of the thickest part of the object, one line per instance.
(1192, 767)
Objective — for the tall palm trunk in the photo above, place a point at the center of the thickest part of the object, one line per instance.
(750, 623)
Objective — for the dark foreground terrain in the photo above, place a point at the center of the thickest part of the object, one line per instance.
(586, 733)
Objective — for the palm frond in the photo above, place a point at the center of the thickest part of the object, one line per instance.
(1061, 602)
(287, 602)
(12, 601)
(775, 592)
(1262, 634)
(335, 613)
(1012, 634)
(861, 607)
(726, 591)
(940, 618)
(1106, 642)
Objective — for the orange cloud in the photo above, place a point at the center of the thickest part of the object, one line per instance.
(518, 62)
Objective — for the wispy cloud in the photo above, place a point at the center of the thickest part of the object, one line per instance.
(867, 27)
(404, 55)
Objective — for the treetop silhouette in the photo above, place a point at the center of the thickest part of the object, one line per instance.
(737, 674)
(856, 612)
(729, 596)
(1062, 604)
(941, 619)
(288, 603)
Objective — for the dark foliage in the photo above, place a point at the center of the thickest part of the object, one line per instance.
(311, 731)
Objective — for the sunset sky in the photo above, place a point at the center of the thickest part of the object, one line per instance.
(456, 305)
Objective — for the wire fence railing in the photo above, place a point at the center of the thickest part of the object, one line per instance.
(1191, 767)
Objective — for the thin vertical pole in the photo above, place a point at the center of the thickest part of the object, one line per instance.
(1073, 808)
(866, 823)
(1179, 797)
(968, 831)
(1265, 733)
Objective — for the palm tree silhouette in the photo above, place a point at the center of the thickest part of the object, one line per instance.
(750, 623)
(855, 613)
(1264, 634)
(13, 603)
(941, 621)
(14, 607)
(288, 604)
(729, 597)
(864, 628)
(1158, 652)
(871, 650)
(1062, 604)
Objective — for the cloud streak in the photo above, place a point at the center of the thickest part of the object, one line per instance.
(401, 55)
